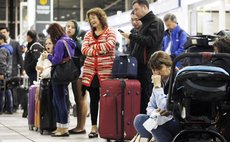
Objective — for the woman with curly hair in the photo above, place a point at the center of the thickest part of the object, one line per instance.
(99, 48)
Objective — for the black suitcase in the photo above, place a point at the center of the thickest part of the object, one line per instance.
(47, 112)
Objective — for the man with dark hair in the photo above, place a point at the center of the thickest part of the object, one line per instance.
(34, 50)
(136, 23)
(17, 61)
(147, 41)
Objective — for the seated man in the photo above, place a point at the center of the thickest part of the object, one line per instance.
(158, 122)
(223, 46)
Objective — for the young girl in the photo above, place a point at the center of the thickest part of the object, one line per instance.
(44, 65)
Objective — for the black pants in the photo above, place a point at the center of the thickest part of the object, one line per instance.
(144, 76)
(94, 101)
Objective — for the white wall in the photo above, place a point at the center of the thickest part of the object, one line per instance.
(208, 22)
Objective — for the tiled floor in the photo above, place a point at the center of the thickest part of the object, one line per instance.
(14, 128)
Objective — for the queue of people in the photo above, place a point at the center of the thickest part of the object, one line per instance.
(93, 53)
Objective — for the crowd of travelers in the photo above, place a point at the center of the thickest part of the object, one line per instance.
(93, 53)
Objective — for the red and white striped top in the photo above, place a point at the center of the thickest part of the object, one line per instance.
(100, 54)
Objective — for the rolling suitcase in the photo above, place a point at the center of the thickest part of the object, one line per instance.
(31, 106)
(47, 112)
(37, 108)
(119, 104)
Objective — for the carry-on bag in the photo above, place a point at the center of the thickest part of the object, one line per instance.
(47, 112)
(31, 106)
(119, 104)
(124, 66)
(37, 108)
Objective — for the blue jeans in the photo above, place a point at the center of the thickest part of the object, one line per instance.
(60, 103)
(163, 133)
(6, 101)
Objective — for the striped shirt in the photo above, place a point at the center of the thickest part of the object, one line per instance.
(100, 54)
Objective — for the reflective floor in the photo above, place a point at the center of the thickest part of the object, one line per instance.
(14, 128)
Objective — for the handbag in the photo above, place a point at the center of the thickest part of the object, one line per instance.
(124, 66)
(67, 71)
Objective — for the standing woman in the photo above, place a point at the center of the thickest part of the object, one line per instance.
(99, 48)
(74, 32)
(58, 37)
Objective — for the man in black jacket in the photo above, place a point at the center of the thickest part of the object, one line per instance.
(147, 41)
(34, 50)
(136, 23)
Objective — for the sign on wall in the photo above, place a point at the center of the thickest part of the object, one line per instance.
(43, 10)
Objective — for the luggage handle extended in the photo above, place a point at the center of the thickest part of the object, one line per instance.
(123, 85)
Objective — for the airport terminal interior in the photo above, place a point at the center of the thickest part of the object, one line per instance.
(195, 17)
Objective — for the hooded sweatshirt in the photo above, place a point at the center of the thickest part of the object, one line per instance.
(6, 53)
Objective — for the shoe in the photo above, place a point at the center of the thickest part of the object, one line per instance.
(72, 131)
(93, 135)
(59, 134)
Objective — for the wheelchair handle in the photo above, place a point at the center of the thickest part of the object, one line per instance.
(206, 55)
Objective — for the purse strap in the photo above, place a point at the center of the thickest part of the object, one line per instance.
(67, 48)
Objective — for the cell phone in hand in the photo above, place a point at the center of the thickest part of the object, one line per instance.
(120, 31)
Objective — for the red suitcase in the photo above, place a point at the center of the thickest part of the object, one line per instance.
(119, 104)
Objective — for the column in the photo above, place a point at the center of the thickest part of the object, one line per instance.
(222, 20)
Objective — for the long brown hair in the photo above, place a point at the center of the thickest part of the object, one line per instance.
(56, 31)
(101, 15)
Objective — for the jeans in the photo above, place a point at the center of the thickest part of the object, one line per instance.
(2, 101)
(6, 101)
(144, 76)
(60, 104)
(163, 133)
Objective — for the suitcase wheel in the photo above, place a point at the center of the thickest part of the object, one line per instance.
(108, 140)
(41, 132)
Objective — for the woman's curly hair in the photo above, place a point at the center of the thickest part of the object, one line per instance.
(101, 16)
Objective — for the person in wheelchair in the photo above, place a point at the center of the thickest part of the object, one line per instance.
(222, 45)
(158, 122)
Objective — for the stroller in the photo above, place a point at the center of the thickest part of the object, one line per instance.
(198, 96)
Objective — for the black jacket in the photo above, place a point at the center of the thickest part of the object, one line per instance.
(148, 39)
(17, 57)
(31, 57)
(131, 42)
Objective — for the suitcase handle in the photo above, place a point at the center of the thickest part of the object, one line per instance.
(123, 85)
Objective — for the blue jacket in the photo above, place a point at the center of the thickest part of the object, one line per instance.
(8, 47)
(178, 41)
(60, 52)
